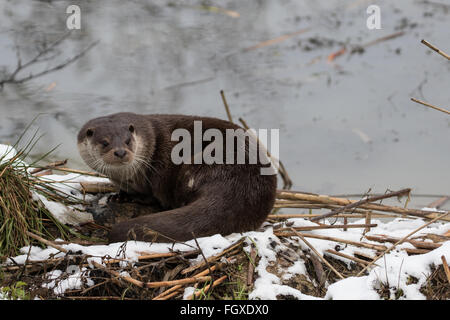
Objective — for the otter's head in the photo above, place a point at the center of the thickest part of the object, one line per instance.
(109, 144)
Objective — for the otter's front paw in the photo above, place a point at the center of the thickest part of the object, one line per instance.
(120, 197)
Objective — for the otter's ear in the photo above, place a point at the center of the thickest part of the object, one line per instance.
(131, 128)
(89, 132)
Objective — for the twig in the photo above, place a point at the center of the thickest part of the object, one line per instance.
(213, 258)
(87, 173)
(388, 37)
(98, 187)
(159, 284)
(59, 66)
(156, 284)
(434, 48)
(208, 264)
(117, 274)
(316, 236)
(318, 269)
(291, 195)
(214, 284)
(166, 294)
(368, 218)
(410, 251)
(283, 216)
(146, 256)
(317, 253)
(326, 226)
(227, 109)
(357, 260)
(439, 202)
(47, 242)
(401, 241)
(430, 105)
(251, 266)
(287, 182)
(415, 243)
(361, 202)
(446, 269)
(49, 166)
(276, 40)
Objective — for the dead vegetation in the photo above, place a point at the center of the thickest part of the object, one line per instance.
(231, 274)
(228, 275)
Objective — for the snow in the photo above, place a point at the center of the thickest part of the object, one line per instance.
(352, 288)
(61, 281)
(395, 269)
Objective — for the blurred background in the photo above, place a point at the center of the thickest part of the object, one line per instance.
(339, 92)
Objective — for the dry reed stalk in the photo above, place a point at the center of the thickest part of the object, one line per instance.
(170, 295)
(281, 169)
(363, 201)
(291, 195)
(363, 254)
(44, 241)
(98, 187)
(415, 243)
(282, 216)
(321, 227)
(164, 295)
(118, 275)
(368, 218)
(227, 108)
(439, 202)
(446, 269)
(49, 166)
(411, 251)
(213, 258)
(316, 236)
(298, 234)
(146, 256)
(401, 241)
(251, 266)
(87, 173)
(430, 105)
(434, 48)
(43, 173)
(205, 289)
(287, 182)
(158, 284)
(305, 205)
(276, 40)
(357, 260)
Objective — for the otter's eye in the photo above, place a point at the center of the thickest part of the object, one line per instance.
(104, 143)
(89, 132)
(131, 128)
(128, 141)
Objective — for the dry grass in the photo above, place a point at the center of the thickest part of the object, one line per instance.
(19, 212)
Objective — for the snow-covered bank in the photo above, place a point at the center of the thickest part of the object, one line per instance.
(395, 269)
(273, 279)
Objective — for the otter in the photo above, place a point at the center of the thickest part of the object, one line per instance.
(199, 199)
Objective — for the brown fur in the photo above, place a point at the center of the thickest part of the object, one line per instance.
(201, 199)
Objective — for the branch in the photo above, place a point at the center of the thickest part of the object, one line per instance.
(12, 78)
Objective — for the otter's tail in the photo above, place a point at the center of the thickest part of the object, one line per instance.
(203, 217)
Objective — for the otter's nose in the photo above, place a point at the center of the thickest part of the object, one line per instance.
(120, 153)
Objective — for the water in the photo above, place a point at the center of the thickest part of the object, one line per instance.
(345, 127)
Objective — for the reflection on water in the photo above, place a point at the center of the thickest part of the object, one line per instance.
(345, 125)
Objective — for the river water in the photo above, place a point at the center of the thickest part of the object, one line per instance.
(346, 125)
